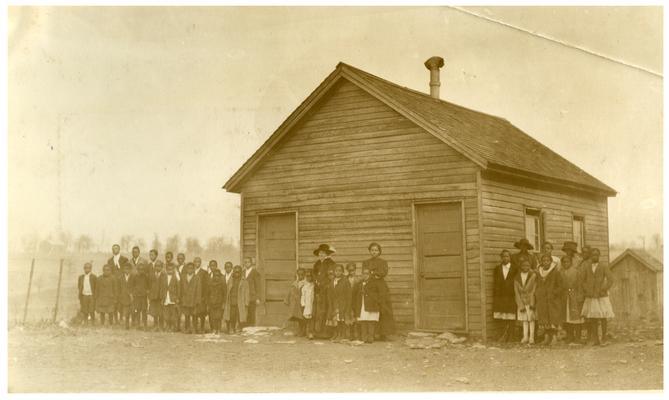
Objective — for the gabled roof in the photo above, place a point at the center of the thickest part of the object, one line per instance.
(643, 257)
(491, 142)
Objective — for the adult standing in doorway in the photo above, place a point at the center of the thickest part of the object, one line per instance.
(378, 268)
(322, 267)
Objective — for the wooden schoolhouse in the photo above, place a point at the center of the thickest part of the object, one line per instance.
(637, 292)
(443, 189)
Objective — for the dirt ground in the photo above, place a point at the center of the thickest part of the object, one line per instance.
(53, 359)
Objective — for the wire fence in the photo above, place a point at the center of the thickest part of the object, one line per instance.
(45, 302)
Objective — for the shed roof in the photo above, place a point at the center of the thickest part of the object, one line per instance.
(491, 142)
(642, 256)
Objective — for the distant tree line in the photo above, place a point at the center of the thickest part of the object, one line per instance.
(65, 242)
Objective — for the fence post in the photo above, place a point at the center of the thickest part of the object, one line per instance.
(30, 283)
(60, 278)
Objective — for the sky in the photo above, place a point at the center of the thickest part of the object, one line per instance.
(130, 120)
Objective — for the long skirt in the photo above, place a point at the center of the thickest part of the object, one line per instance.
(597, 307)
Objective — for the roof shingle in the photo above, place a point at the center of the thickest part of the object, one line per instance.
(492, 138)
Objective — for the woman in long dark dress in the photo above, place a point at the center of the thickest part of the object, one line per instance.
(379, 269)
(324, 265)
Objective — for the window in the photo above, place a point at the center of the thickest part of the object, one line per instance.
(534, 227)
(578, 231)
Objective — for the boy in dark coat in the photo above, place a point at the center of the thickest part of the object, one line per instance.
(549, 298)
(170, 292)
(124, 300)
(106, 292)
(504, 302)
(216, 291)
(139, 289)
(116, 263)
(155, 271)
(340, 310)
(191, 293)
(201, 305)
(86, 285)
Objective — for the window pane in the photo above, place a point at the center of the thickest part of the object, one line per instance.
(531, 230)
(578, 233)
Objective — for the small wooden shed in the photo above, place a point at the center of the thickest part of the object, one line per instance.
(444, 189)
(637, 292)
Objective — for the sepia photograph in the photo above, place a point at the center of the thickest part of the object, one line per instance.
(321, 199)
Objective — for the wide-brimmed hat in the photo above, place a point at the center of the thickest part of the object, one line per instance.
(326, 248)
(523, 242)
(568, 245)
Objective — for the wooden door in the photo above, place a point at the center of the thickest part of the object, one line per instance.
(277, 261)
(441, 285)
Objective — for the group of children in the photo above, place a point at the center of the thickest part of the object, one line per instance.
(326, 301)
(130, 289)
(567, 292)
(329, 301)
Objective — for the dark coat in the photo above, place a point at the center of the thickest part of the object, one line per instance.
(339, 299)
(204, 282)
(320, 273)
(124, 290)
(254, 284)
(80, 284)
(370, 291)
(503, 290)
(106, 294)
(136, 266)
(572, 280)
(154, 285)
(174, 288)
(376, 265)
(121, 261)
(217, 291)
(191, 292)
(549, 297)
(597, 284)
(386, 316)
(139, 284)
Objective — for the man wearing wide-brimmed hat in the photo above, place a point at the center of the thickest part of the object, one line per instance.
(320, 272)
(524, 246)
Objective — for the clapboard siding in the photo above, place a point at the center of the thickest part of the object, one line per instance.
(352, 169)
(503, 205)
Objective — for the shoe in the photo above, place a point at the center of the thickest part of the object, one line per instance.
(525, 340)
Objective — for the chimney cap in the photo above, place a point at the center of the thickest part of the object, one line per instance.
(434, 62)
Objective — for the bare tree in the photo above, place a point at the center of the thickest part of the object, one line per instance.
(84, 244)
(173, 243)
(156, 244)
(125, 242)
(66, 239)
(30, 243)
(139, 242)
(193, 246)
